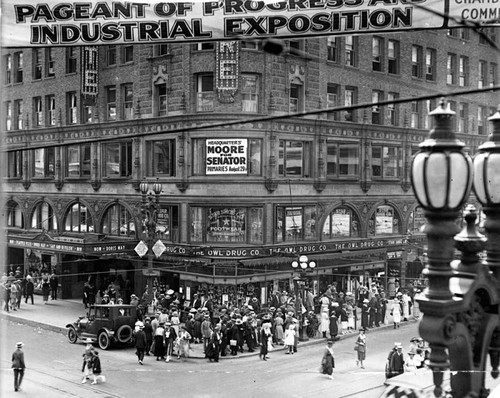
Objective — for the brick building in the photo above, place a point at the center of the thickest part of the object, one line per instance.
(85, 126)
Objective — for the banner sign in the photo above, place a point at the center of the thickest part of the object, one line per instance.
(226, 156)
(98, 22)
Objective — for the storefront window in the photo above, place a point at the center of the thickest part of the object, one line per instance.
(43, 217)
(294, 158)
(15, 216)
(78, 219)
(417, 220)
(161, 158)
(295, 223)
(167, 225)
(118, 221)
(341, 222)
(226, 225)
(385, 221)
(118, 159)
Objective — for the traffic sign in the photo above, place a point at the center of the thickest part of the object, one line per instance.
(159, 248)
(141, 249)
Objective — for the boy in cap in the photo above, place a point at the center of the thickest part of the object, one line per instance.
(18, 366)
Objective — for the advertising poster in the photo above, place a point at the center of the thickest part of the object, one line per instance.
(227, 156)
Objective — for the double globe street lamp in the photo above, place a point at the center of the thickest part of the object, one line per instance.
(302, 265)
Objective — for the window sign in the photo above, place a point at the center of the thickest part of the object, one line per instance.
(384, 220)
(226, 224)
(341, 222)
(293, 221)
(226, 156)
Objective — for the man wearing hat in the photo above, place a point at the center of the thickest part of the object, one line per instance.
(140, 343)
(397, 362)
(18, 366)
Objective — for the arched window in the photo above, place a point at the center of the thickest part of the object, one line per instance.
(43, 217)
(384, 221)
(15, 216)
(78, 219)
(118, 221)
(341, 222)
(417, 220)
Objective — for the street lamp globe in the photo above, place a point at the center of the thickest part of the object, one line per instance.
(144, 187)
(295, 264)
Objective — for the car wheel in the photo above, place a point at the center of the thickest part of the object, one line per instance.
(103, 340)
(72, 336)
(124, 333)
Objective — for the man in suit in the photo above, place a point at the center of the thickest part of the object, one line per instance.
(196, 302)
(18, 366)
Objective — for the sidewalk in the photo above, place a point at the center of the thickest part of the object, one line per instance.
(55, 315)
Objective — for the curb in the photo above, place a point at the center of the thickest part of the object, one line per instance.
(311, 341)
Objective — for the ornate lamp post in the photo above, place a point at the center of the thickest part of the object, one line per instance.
(150, 207)
(302, 265)
(442, 179)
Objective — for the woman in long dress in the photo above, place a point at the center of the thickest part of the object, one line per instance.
(361, 348)
(396, 310)
(265, 340)
(328, 360)
(159, 342)
(183, 343)
(278, 329)
(324, 326)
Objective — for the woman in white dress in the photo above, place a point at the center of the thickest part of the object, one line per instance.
(396, 310)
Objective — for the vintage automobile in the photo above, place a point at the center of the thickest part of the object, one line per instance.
(107, 324)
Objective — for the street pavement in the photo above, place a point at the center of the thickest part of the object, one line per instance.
(56, 314)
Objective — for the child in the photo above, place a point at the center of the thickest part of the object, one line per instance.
(96, 368)
(290, 339)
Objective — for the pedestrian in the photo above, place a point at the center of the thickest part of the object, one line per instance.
(170, 337)
(411, 362)
(206, 331)
(148, 331)
(365, 311)
(30, 289)
(183, 343)
(175, 321)
(334, 326)
(18, 365)
(213, 346)
(159, 342)
(235, 335)
(388, 370)
(361, 348)
(265, 340)
(13, 295)
(87, 358)
(279, 333)
(290, 339)
(54, 283)
(325, 321)
(140, 343)
(45, 289)
(396, 310)
(96, 369)
(397, 361)
(328, 360)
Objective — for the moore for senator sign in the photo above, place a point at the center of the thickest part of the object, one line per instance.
(226, 156)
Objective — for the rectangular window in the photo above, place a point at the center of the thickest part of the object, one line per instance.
(71, 59)
(453, 107)
(44, 163)
(295, 223)
(111, 103)
(127, 54)
(482, 115)
(415, 115)
(161, 49)
(296, 47)
(161, 157)
(8, 115)
(18, 109)
(332, 100)
(351, 49)
(37, 112)
(18, 67)
(78, 161)
(386, 162)
(50, 62)
(428, 119)
(250, 89)
(8, 69)
(463, 111)
(342, 160)
(493, 74)
(37, 63)
(451, 66)
(430, 64)
(463, 71)
(111, 55)
(350, 95)
(392, 110)
(251, 44)
(87, 113)
(204, 46)
(15, 164)
(296, 103)
(118, 159)
(333, 49)
(377, 110)
(464, 34)
(483, 74)
(72, 108)
(377, 46)
(205, 93)
(50, 106)
(161, 94)
(393, 57)
(416, 62)
(127, 102)
(294, 158)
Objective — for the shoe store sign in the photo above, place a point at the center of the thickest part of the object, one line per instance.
(99, 22)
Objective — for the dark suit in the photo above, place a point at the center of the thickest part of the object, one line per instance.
(18, 366)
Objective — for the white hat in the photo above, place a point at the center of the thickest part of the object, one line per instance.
(170, 292)
(19, 344)
(88, 340)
